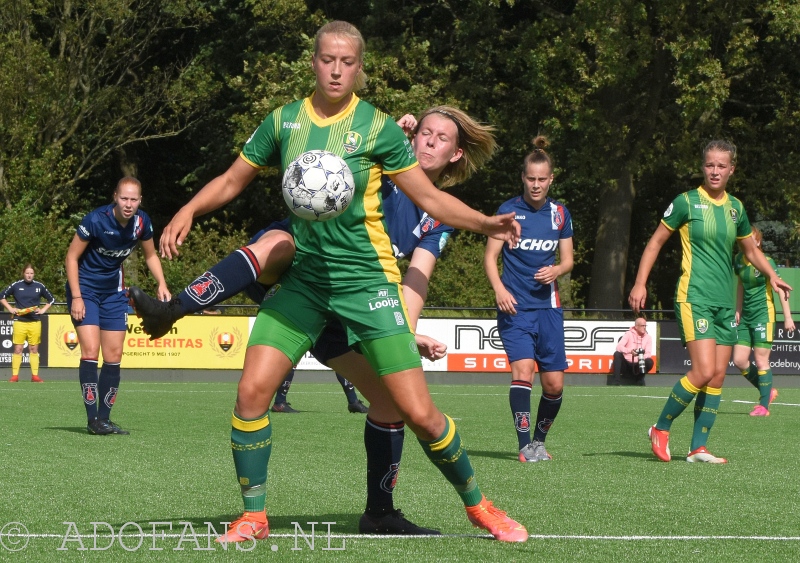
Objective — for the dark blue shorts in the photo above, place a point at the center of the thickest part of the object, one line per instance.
(536, 334)
(109, 311)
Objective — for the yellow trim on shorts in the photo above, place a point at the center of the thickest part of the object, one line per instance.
(250, 425)
(686, 313)
(444, 442)
(686, 384)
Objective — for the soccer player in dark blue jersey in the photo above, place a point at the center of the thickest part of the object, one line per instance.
(28, 294)
(97, 298)
(450, 146)
(529, 314)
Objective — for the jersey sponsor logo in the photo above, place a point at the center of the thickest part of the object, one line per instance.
(536, 244)
(115, 253)
(701, 325)
(205, 288)
(378, 303)
(668, 212)
(700, 206)
(84, 230)
(519, 217)
(734, 215)
(522, 420)
(399, 319)
(351, 142)
(109, 232)
(290, 125)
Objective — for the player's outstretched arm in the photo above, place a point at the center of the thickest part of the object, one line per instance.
(215, 194)
(452, 211)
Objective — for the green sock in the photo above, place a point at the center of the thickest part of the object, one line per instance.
(679, 398)
(705, 413)
(764, 387)
(448, 454)
(751, 374)
(251, 442)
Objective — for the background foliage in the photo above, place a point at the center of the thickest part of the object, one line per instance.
(627, 91)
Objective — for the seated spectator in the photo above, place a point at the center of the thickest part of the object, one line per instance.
(634, 356)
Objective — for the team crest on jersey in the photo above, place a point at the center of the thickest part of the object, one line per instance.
(205, 288)
(89, 393)
(522, 420)
(734, 215)
(556, 216)
(668, 212)
(701, 325)
(351, 142)
(272, 291)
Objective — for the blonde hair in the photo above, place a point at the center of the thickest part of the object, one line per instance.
(345, 29)
(722, 146)
(538, 154)
(758, 236)
(474, 139)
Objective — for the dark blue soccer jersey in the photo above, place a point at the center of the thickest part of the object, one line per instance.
(27, 295)
(100, 266)
(541, 232)
(409, 226)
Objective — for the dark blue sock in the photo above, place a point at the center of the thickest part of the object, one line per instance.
(519, 397)
(283, 390)
(348, 389)
(225, 279)
(549, 406)
(107, 389)
(384, 443)
(87, 375)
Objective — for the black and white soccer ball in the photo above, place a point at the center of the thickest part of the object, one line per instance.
(318, 185)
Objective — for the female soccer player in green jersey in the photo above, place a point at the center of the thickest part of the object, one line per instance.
(711, 222)
(341, 269)
(755, 317)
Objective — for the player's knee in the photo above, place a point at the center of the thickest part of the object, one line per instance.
(427, 424)
(274, 247)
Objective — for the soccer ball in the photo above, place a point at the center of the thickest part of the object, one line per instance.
(318, 185)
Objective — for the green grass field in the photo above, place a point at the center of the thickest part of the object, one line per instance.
(604, 497)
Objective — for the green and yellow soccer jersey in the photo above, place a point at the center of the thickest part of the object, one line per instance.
(709, 230)
(758, 302)
(353, 248)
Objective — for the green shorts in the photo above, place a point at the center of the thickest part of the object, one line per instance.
(292, 317)
(758, 335)
(700, 322)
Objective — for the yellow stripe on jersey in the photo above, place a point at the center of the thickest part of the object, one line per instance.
(250, 425)
(686, 265)
(373, 222)
(444, 442)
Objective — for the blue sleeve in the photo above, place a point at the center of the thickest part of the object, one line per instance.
(7, 292)
(47, 295)
(85, 229)
(566, 232)
(436, 239)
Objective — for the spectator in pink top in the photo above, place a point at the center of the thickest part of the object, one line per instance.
(634, 355)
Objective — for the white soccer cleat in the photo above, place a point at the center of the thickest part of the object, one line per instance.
(702, 455)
